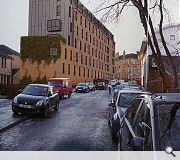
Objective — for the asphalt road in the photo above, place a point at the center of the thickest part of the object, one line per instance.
(79, 125)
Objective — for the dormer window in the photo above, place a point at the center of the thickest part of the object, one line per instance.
(172, 37)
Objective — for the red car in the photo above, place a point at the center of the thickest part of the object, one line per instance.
(63, 86)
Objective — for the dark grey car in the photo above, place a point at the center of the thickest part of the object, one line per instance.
(151, 123)
(36, 98)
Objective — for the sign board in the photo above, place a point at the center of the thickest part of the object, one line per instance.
(53, 51)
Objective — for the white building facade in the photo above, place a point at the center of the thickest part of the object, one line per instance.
(172, 37)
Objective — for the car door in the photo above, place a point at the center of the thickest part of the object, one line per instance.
(126, 131)
(142, 126)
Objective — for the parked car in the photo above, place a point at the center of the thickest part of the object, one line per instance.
(151, 123)
(101, 85)
(63, 86)
(92, 87)
(121, 86)
(82, 87)
(36, 98)
(118, 107)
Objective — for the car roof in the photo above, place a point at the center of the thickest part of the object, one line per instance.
(133, 91)
(160, 98)
(166, 97)
(40, 85)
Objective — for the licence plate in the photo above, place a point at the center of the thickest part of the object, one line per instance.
(25, 106)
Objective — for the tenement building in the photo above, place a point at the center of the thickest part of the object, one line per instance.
(66, 40)
(128, 67)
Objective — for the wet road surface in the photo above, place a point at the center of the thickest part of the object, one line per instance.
(79, 125)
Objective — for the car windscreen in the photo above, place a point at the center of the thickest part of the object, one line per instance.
(125, 99)
(169, 125)
(121, 86)
(100, 83)
(55, 84)
(35, 90)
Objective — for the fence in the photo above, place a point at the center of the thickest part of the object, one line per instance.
(156, 87)
(13, 89)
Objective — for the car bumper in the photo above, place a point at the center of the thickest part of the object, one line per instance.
(81, 90)
(25, 110)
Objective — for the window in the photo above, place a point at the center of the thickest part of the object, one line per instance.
(142, 125)
(63, 69)
(65, 53)
(2, 63)
(168, 124)
(74, 70)
(132, 110)
(75, 43)
(58, 10)
(85, 23)
(54, 25)
(82, 33)
(172, 37)
(76, 57)
(69, 11)
(70, 26)
(86, 60)
(81, 20)
(79, 71)
(84, 72)
(70, 55)
(69, 40)
(69, 69)
(90, 39)
(85, 47)
(81, 59)
(80, 45)
(77, 30)
(75, 15)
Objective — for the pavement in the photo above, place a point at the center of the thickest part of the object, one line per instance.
(7, 119)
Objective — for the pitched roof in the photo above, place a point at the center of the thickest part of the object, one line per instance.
(6, 51)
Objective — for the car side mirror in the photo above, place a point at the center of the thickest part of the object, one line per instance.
(137, 143)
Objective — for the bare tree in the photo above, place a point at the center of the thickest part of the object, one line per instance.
(114, 10)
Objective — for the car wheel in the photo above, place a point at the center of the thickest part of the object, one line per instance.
(109, 122)
(69, 95)
(61, 96)
(113, 134)
(15, 112)
(46, 111)
(56, 107)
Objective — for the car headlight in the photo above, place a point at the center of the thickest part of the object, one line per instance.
(15, 100)
(39, 103)
(85, 88)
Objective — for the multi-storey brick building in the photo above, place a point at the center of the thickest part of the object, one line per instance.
(89, 52)
(128, 67)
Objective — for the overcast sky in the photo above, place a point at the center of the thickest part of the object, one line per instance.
(128, 32)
